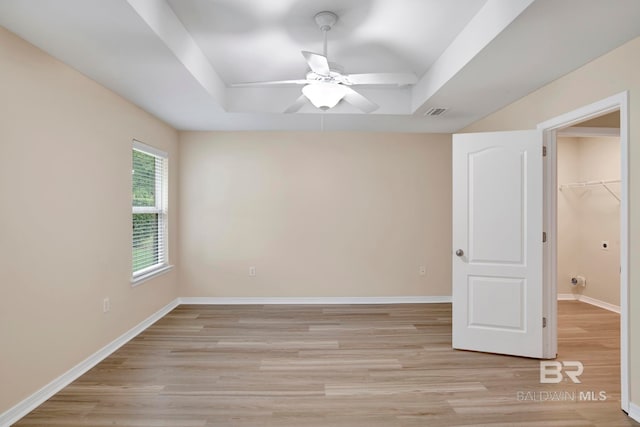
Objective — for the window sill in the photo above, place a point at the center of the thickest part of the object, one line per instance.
(150, 275)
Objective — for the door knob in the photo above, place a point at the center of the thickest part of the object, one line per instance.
(459, 252)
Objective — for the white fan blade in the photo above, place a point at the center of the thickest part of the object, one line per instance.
(300, 102)
(398, 79)
(318, 63)
(271, 83)
(359, 101)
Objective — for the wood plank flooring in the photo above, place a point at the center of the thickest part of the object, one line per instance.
(357, 365)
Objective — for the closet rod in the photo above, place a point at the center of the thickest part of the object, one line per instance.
(586, 183)
(591, 183)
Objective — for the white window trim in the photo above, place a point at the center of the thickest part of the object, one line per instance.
(141, 146)
(156, 271)
(161, 208)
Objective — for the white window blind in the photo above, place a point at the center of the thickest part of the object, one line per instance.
(149, 245)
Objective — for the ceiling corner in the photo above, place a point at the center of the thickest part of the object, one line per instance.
(493, 18)
(162, 20)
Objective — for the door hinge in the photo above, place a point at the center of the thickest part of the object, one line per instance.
(544, 322)
(544, 151)
(544, 237)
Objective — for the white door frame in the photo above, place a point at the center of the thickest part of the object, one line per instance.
(620, 102)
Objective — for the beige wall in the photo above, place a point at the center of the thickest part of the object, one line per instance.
(612, 73)
(65, 221)
(318, 214)
(587, 216)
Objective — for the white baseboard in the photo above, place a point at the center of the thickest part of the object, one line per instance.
(315, 300)
(601, 304)
(36, 399)
(589, 300)
(634, 411)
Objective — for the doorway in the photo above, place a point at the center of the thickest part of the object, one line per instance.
(588, 212)
(552, 131)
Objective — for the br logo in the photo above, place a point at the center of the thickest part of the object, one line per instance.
(551, 371)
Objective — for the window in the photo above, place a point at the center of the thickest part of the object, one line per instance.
(149, 245)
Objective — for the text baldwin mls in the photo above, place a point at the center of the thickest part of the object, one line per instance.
(561, 396)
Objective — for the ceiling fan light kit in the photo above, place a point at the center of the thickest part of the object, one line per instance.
(326, 84)
(324, 95)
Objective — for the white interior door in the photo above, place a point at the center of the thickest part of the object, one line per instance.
(497, 243)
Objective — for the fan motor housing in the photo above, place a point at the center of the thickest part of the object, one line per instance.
(336, 75)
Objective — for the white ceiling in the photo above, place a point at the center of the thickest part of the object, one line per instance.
(177, 58)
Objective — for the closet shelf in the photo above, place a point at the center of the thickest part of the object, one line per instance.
(603, 183)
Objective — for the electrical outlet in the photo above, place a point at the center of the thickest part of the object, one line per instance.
(422, 270)
(604, 245)
(252, 271)
(106, 305)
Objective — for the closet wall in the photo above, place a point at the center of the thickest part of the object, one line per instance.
(589, 216)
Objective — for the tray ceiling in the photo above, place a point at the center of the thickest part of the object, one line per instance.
(178, 58)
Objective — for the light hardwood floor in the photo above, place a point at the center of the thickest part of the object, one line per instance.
(357, 365)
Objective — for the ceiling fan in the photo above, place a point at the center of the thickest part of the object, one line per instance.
(326, 84)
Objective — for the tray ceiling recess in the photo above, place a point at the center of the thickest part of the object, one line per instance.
(326, 84)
